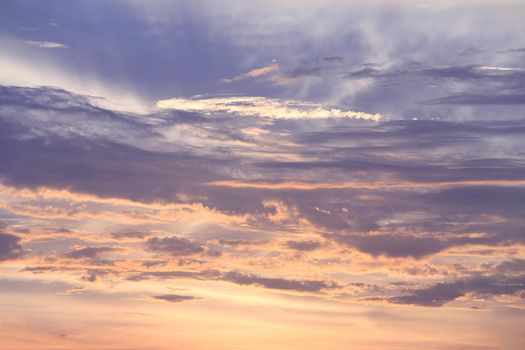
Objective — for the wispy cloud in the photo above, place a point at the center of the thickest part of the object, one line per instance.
(254, 73)
(173, 298)
(263, 107)
(46, 44)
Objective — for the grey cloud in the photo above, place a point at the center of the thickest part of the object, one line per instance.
(511, 267)
(89, 274)
(367, 73)
(428, 91)
(240, 278)
(93, 275)
(305, 246)
(153, 263)
(240, 242)
(173, 298)
(442, 293)
(89, 278)
(476, 72)
(129, 234)
(277, 283)
(332, 59)
(89, 252)
(50, 137)
(304, 71)
(10, 247)
(175, 246)
(166, 275)
(391, 245)
(315, 66)
(482, 99)
(469, 72)
(39, 269)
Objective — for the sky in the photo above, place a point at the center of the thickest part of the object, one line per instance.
(227, 174)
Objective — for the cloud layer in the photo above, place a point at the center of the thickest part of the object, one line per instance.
(271, 174)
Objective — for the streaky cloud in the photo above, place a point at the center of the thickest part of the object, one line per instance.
(46, 44)
(173, 298)
(263, 107)
(277, 283)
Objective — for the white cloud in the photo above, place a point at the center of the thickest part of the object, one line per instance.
(491, 69)
(46, 44)
(248, 106)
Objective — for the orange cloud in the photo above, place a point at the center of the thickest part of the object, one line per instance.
(254, 73)
(402, 185)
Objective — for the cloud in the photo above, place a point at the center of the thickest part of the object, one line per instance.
(203, 275)
(10, 247)
(175, 246)
(304, 246)
(173, 298)
(46, 44)
(389, 190)
(511, 267)
(277, 283)
(320, 67)
(279, 211)
(391, 245)
(254, 73)
(240, 242)
(89, 252)
(122, 235)
(438, 89)
(481, 99)
(468, 72)
(274, 168)
(442, 293)
(262, 107)
(304, 186)
(91, 148)
(242, 279)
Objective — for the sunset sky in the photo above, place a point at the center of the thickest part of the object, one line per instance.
(262, 174)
